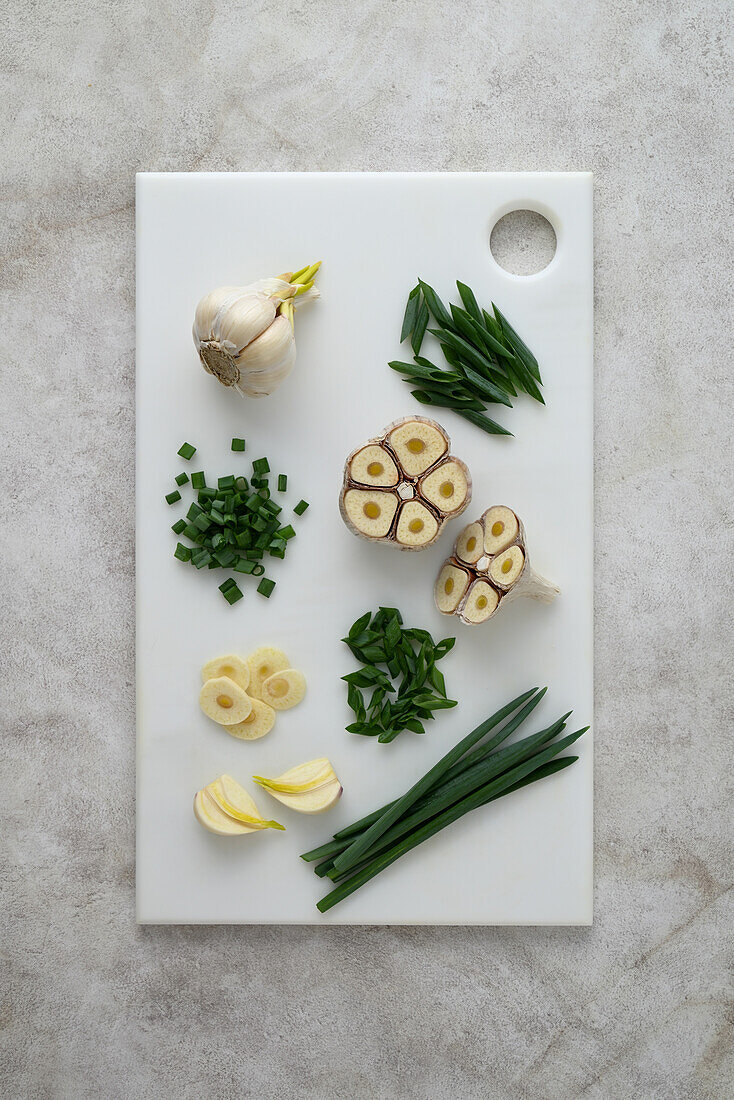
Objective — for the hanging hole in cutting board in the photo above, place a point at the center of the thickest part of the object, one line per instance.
(523, 242)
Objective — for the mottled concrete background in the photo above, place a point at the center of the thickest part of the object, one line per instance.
(639, 1006)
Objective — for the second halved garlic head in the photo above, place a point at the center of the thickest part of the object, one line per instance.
(401, 487)
(244, 335)
(489, 567)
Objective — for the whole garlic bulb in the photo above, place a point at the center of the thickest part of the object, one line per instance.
(244, 334)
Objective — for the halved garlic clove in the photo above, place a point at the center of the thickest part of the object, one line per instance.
(309, 788)
(258, 723)
(284, 689)
(224, 701)
(230, 665)
(263, 663)
(233, 800)
(417, 444)
(501, 528)
(481, 602)
(370, 513)
(416, 525)
(208, 814)
(505, 568)
(373, 465)
(446, 487)
(451, 586)
(469, 545)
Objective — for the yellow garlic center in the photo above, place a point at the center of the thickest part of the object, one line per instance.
(482, 603)
(251, 716)
(447, 489)
(371, 510)
(226, 670)
(375, 469)
(224, 701)
(497, 528)
(278, 688)
(264, 671)
(471, 544)
(449, 586)
(416, 446)
(416, 525)
(507, 565)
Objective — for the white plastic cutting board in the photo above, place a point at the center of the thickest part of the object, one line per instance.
(526, 859)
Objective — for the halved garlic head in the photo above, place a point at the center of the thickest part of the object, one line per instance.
(417, 445)
(446, 487)
(223, 700)
(501, 528)
(507, 567)
(373, 465)
(451, 585)
(480, 603)
(263, 663)
(232, 666)
(284, 689)
(371, 512)
(224, 807)
(470, 543)
(259, 721)
(309, 788)
(416, 525)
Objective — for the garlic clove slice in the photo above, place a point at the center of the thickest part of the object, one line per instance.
(506, 568)
(370, 512)
(230, 665)
(446, 487)
(417, 445)
(215, 820)
(309, 788)
(470, 543)
(223, 700)
(284, 689)
(416, 525)
(233, 800)
(258, 723)
(451, 584)
(374, 466)
(263, 662)
(481, 603)
(501, 528)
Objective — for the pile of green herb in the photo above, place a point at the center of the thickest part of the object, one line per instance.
(234, 525)
(487, 361)
(469, 776)
(398, 673)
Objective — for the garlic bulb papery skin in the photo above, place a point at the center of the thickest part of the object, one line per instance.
(244, 335)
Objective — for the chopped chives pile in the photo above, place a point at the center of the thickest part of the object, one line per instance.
(470, 775)
(233, 526)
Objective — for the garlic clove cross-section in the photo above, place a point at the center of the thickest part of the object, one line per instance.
(263, 662)
(230, 665)
(258, 723)
(309, 788)
(489, 567)
(224, 701)
(401, 487)
(225, 808)
(284, 689)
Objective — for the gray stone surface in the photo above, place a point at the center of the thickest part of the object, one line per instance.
(638, 1006)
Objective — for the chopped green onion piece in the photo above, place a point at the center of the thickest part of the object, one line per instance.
(190, 531)
(242, 565)
(226, 482)
(182, 552)
(286, 532)
(301, 507)
(261, 466)
(202, 522)
(258, 570)
(186, 451)
(241, 483)
(225, 556)
(282, 482)
(205, 494)
(201, 557)
(179, 526)
(198, 481)
(233, 594)
(230, 581)
(171, 498)
(181, 478)
(194, 511)
(238, 444)
(266, 587)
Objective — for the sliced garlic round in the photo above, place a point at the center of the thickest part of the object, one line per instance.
(284, 689)
(258, 723)
(370, 512)
(417, 445)
(451, 585)
(373, 465)
(416, 525)
(470, 543)
(501, 528)
(230, 665)
(223, 700)
(263, 663)
(505, 569)
(480, 603)
(446, 487)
